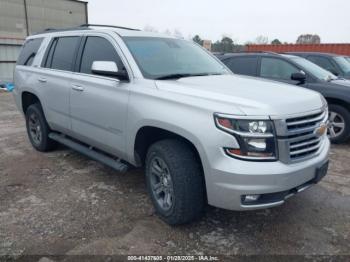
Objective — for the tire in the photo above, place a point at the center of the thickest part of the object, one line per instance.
(338, 115)
(38, 130)
(182, 178)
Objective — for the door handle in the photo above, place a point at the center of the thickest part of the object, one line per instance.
(42, 80)
(77, 88)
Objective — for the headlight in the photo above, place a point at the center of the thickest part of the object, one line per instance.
(255, 137)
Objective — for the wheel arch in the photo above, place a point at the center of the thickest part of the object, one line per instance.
(337, 101)
(147, 135)
(27, 99)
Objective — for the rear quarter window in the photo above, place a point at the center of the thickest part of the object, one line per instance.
(29, 51)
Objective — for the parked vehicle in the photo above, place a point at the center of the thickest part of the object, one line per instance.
(130, 98)
(300, 72)
(336, 64)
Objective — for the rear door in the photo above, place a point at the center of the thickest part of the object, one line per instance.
(98, 104)
(278, 69)
(54, 80)
(242, 65)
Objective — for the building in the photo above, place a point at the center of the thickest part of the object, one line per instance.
(340, 49)
(207, 44)
(20, 18)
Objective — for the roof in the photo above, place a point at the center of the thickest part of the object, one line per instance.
(312, 53)
(290, 56)
(228, 55)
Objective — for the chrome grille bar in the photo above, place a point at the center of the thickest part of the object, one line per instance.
(297, 137)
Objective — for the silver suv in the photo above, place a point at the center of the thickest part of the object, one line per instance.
(204, 135)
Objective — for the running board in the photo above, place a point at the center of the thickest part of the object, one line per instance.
(109, 161)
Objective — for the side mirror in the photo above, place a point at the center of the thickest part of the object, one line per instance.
(300, 77)
(108, 68)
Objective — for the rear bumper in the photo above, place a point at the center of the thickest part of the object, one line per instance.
(231, 179)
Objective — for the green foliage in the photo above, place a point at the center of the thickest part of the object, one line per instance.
(226, 45)
(197, 40)
(308, 39)
(276, 42)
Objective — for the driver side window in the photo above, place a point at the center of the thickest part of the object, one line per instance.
(98, 49)
(325, 63)
(276, 68)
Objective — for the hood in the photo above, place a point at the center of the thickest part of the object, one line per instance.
(249, 95)
(341, 82)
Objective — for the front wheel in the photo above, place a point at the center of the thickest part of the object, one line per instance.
(175, 182)
(339, 124)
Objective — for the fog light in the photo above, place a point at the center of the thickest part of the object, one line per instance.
(251, 198)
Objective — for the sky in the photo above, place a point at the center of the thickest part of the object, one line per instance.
(242, 20)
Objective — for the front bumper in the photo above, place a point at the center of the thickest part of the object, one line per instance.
(230, 179)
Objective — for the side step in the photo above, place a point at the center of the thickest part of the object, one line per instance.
(109, 161)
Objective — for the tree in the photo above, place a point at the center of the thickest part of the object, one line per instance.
(178, 34)
(167, 32)
(149, 28)
(276, 42)
(262, 40)
(226, 44)
(197, 40)
(308, 39)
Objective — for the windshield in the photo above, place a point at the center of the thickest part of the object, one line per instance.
(343, 63)
(314, 69)
(162, 57)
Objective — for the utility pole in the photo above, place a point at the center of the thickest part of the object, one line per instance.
(26, 16)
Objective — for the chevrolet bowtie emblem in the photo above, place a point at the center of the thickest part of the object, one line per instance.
(321, 130)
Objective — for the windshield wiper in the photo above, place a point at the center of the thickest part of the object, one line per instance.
(178, 76)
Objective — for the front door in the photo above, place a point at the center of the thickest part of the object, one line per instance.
(277, 69)
(98, 104)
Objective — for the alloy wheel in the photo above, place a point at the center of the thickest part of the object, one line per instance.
(161, 183)
(336, 125)
(35, 129)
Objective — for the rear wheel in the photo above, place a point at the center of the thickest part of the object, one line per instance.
(38, 130)
(175, 182)
(339, 124)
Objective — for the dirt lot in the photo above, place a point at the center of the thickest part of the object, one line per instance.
(63, 203)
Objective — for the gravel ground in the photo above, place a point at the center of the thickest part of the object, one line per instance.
(63, 203)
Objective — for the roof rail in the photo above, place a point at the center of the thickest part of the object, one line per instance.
(54, 30)
(81, 27)
(111, 26)
(263, 52)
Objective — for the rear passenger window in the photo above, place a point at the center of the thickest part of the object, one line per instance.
(29, 51)
(98, 49)
(243, 65)
(61, 54)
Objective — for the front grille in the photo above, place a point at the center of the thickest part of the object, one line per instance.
(302, 140)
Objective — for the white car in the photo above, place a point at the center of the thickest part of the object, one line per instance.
(204, 135)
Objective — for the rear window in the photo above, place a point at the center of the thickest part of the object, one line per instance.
(29, 51)
(242, 65)
(61, 54)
